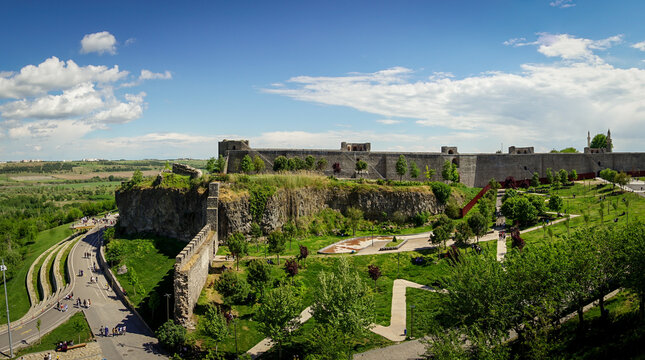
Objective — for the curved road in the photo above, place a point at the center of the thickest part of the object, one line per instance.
(106, 310)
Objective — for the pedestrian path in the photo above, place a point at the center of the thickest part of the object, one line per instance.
(266, 344)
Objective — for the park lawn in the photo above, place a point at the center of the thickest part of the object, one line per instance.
(428, 312)
(71, 329)
(16, 286)
(152, 259)
(622, 336)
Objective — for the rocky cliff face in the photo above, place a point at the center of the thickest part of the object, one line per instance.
(235, 215)
(166, 212)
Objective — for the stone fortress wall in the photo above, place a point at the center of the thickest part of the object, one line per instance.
(474, 169)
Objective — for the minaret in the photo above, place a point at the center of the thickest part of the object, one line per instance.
(588, 139)
(609, 144)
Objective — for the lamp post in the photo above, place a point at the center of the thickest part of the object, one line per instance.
(3, 268)
(411, 320)
(235, 329)
(167, 306)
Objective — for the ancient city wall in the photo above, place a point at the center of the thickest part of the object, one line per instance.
(474, 169)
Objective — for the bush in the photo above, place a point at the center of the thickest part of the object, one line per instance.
(421, 218)
(171, 335)
(441, 191)
(399, 217)
(233, 288)
(280, 163)
(453, 210)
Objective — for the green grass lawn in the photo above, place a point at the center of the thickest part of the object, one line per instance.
(69, 330)
(36, 274)
(16, 287)
(152, 259)
(63, 262)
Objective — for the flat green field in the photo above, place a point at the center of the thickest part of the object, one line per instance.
(16, 287)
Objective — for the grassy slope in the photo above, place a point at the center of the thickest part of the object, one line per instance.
(16, 287)
(69, 330)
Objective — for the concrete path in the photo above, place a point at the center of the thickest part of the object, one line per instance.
(106, 310)
(395, 331)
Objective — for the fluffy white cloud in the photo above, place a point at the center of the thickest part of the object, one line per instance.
(54, 74)
(76, 101)
(562, 3)
(122, 112)
(130, 41)
(543, 105)
(388, 121)
(640, 46)
(567, 47)
(59, 131)
(330, 139)
(100, 43)
(149, 75)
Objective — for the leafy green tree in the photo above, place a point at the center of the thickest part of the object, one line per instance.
(429, 173)
(39, 322)
(361, 165)
(455, 173)
(256, 233)
(634, 259)
(321, 164)
(171, 335)
(462, 233)
(564, 176)
(354, 217)
(401, 166)
(259, 274)
(446, 172)
(535, 180)
(570, 150)
(137, 177)
(599, 142)
(213, 325)
(276, 243)
(609, 175)
(246, 164)
(622, 178)
(494, 185)
(258, 164)
(289, 231)
(555, 203)
(478, 224)
(520, 209)
(414, 170)
(310, 162)
(574, 175)
(234, 288)
(439, 235)
(549, 176)
(211, 165)
(280, 164)
(441, 191)
(583, 272)
(277, 315)
(220, 164)
(238, 246)
(344, 301)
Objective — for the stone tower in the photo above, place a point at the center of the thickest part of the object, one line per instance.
(588, 139)
(609, 144)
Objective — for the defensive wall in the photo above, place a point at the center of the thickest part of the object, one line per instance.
(474, 169)
(193, 262)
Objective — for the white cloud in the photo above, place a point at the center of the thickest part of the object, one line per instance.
(100, 43)
(562, 3)
(330, 139)
(53, 74)
(79, 100)
(566, 46)
(130, 41)
(149, 75)
(47, 130)
(388, 121)
(543, 105)
(640, 46)
(122, 112)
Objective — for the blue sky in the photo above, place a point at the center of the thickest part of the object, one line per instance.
(169, 79)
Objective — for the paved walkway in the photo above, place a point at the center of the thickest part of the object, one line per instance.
(106, 310)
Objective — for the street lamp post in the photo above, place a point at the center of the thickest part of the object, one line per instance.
(3, 268)
(167, 306)
(235, 329)
(411, 320)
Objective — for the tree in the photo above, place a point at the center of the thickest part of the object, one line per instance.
(354, 217)
(455, 173)
(622, 178)
(555, 203)
(374, 273)
(171, 335)
(494, 185)
(220, 164)
(310, 162)
(401, 167)
(429, 173)
(289, 230)
(608, 175)
(258, 274)
(463, 233)
(442, 228)
(360, 166)
(564, 176)
(211, 165)
(137, 177)
(478, 224)
(246, 164)
(446, 172)
(321, 164)
(520, 209)
(153, 302)
(213, 324)
(441, 191)
(304, 252)
(280, 163)
(133, 279)
(344, 301)
(258, 164)
(238, 246)
(39, 322)
(291, 267)
(570, 150)
(535, 180)
(599, 142)
(276, 243)
(549, 176)
(337, 168)
(414, 170)
(234, 288)
(634, 238)
(574, 175)
(256, 233)
(278, 315)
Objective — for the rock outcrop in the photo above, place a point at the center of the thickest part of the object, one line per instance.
(183, 169)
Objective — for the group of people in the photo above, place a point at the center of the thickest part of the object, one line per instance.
(85, 303)
(117, 330)
(87, 255)
(61, 307)
(62, 346)
(502, 235)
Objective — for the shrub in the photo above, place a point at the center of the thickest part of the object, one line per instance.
(421, 218)
(291, 267)
(233, 288)
(399, 217)
(321, 164)
(441, 191)
(280, 163)
(453, 210)
(171, 335)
